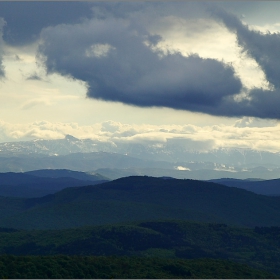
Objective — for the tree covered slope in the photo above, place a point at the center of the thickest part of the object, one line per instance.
(141, 198)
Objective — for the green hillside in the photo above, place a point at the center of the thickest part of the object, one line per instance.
(65, 267)
(141, 198)
(259, 247)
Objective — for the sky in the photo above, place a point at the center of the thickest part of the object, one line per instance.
(207, 73)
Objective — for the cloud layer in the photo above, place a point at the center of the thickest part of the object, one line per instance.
(264, 49)
(248, 133)
(2, 70)
(129, 70)
(25, 19)
(110, 46)
(120, 61)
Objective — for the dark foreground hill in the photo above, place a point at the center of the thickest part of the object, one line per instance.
(65, 267)
(43, 182)
(141, 198)
(259, 247)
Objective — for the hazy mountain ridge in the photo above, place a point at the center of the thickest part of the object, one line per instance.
(58, 173)
(121, 160)
(199, 174)
(38, 183)
(76, 161)
(265, 187)
(113, 166)
(168, 151)
(43, 182)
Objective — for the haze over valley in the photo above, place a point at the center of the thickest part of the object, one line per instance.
(115, 160)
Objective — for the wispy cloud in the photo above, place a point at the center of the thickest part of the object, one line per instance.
(34, 77)
(35, 102)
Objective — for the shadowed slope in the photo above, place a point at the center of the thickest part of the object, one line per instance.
(141, 198)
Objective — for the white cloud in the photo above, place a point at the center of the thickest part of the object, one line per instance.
(35, 102)
(188, 137)
(255, 122)
(209, 39)
(61, 101)
(182, 168)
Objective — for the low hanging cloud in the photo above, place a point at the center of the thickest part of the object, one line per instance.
(119, 60)
(246, 133)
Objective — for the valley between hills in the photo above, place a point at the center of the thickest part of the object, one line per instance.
(137, 216)
(166, 227)
(139, 140)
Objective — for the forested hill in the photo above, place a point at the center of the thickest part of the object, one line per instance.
(141, 198)
(77, 267)
(171, 242)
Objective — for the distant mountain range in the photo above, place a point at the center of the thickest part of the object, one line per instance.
(38, 183)
(55, 186)
(115, 160)
(43, 182)
(224, 158)
(265, 187)
(198, 174)
(76, 161)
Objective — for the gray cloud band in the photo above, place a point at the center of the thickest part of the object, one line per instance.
(121, 63)
(25, 19)
(264, 49)
(2, 69)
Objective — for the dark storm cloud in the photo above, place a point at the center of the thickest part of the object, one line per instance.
(264, 48)
(25, 19)
(259, 103)
(119, 61)
(149, 10)
(118, 64)
(262, 104)
(2, 70)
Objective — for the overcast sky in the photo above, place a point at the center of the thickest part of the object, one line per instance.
(208, 72)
